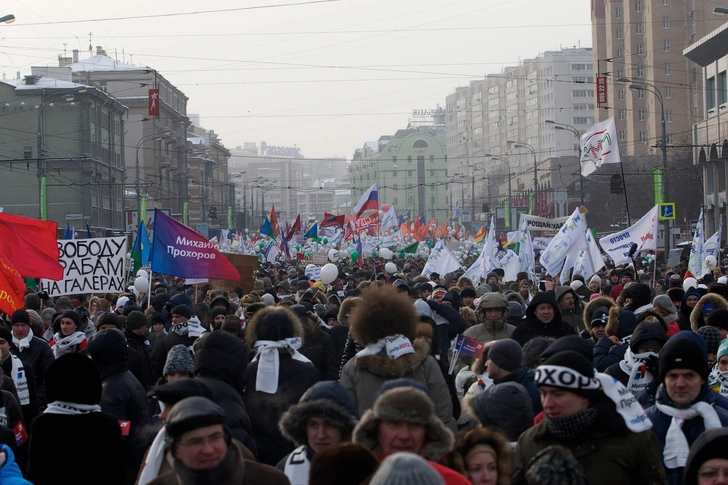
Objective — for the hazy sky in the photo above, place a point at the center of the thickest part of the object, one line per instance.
(325, 76)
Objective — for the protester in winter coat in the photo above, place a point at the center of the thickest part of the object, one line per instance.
(582, 417)
(202, 450)
(685, 404)
(324, 417)
(483, 456)
(570, 307)
(22, 375)
(493, 311)
(704, 307)
(638, 298)
(504, 365)
(318, 347)
(691, 298)
(543, 320)
(707, 458)
(664, 307)
(74, 420)
(506, 406)
(220, 362)
(449, 324)
(179, 333)
(611, 348)
(123, 397)
(276, 379)
(595, 331)
(350, 460)
(639, 366)
(139, 346)
(403, 419)
(385, 323)
(68, 336)
(33, 350)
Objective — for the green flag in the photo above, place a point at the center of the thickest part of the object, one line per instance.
(412, 248)
(657, 176)
(142, 249)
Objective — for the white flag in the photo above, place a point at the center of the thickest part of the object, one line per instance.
(695, 262)
(441, 260)
(511, 264)
(643, 233)
(711, 247)
(571, 237)
(525, 251)
(589, 260)
(475, 271)
(389, 219)
(490, 249)
(599, 145)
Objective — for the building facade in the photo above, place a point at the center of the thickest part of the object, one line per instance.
(70, 138)
(514, 106)
(211, 191)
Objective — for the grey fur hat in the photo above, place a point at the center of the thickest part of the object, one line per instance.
(410, 405)
(179, 360)
(506, 406)
(405, 469)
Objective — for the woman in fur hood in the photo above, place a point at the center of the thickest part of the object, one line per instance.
(384, 322)
(599, 302)
(708, 303)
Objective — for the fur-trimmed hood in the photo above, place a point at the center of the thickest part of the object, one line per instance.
(288, 324)
(466, 442)
(696, 316)
(328, 400)
(383, 312)
(621, 322)
(382, 365)
(346, 308)
(602, 301)
(410, 405)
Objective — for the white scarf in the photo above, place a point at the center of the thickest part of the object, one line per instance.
(266, 353)
(179, 328)
(48, 334)
(64, 345)
(155, 456)
(20, 380)
(297, 467)
(23, 344)
(634, 366)
(194, 327)
(719, 381)
(675, 453)
(71, 408)
(396, 345)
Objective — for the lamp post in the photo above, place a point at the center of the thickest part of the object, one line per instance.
(658, 94)
(67, 95)
(577, 134)
(155, 137)
(520, 144)
(505, 160)
(7, 19)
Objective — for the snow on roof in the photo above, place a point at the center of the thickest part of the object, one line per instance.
(103, 63)
(43, 83)
(373, 145)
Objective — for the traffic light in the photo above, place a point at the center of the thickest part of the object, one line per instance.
(213, 213)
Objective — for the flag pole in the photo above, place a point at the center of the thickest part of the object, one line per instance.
(149, 291)
(624, 188)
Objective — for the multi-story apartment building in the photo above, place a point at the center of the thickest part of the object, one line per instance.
(514, 106)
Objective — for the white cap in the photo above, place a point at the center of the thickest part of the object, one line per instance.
(121, 302)
(723, 280)
(576, 284)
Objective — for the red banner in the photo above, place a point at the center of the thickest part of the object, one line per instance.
(12, 287)
(154, 102)
(364, 223)
(30, 246)
(602, 90)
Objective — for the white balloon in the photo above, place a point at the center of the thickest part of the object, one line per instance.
(390, 267)
(334, 255)
(141, 285)
(329, 273)
(690, 283)
(142, 274)
(711, 262)
(386, 253)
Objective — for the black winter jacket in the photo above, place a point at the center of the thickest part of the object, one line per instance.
(456, 325)
(220, 361)
(532, 327)
(319, 348)
(140, 359)
(30, 411)
(40, 356)
(123, 396)
(524, 377)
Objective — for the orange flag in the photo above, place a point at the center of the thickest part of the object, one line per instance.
(12, 287)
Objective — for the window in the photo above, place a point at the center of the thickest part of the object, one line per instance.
(643, 136)
(666, 2)
(582, 66)
(668, 92)
(640, 71)
(638, 6)
(668, 139)
(620, 73)
(665, 22)
(640, 27)
(582, 120)
(722, 88)
(420, 144)
(394, 173)
(620, 33)
(620, 53)
(622, 114)
(710, 93)
(395, 200)
(641, 114)
(668, 69)
(582, 93)
(640, 49)
(622, 134)
(620, 94)
(409, 173)
(667, 45)
(668, 116)
(617, 12)
(409, 158)
(640, 94)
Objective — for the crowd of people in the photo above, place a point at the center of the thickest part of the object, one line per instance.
(618, 379)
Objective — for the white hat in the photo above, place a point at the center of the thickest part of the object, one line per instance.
(121, 302)
(576, 284)
(723, 280)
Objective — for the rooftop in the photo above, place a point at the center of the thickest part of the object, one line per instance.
(103, 63)
(43, 83)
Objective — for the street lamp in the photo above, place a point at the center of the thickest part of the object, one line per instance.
(520, 144)
(155, 137)
(720, 10)
(505, 160)
(654, 90)
(67, 95)
(577, 134)
(7, 19)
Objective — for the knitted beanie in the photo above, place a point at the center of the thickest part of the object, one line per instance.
(569, 370)
(179, 360)
(20, 316)
(722, 350)
(718, 319)
(665, 303)
(506, 406)
(406, 469)
(506, 354)
(135, 320)
(684, 351)
(34, 317)
(183, 311)
(711, 335)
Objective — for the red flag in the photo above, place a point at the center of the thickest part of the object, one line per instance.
(154, 102)
(30, 246)
(349, 234)
(296, 227)
(330, 220)
(12, 287)
(274, 219)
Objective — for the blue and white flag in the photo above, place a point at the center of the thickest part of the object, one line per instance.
(571, 237)
(643, 233)
(695, 262)
(712, 246)
(441, 260)
(389, 219)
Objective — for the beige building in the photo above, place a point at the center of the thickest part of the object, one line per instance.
(642, 40)
(211, 191)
